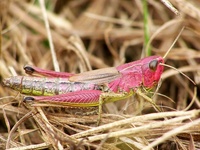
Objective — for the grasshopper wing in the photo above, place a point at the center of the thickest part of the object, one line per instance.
(98, 76)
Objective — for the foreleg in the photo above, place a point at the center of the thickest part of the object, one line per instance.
(148, 99)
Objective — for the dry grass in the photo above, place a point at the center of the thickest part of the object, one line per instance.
(97, 34)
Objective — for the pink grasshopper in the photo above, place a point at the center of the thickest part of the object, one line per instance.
(92, 88)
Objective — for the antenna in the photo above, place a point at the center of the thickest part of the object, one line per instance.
(174, 42)
(179, 72)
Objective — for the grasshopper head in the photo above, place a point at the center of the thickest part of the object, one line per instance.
(152, 70)
(144, 72)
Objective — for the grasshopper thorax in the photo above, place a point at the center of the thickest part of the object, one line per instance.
(145, 72)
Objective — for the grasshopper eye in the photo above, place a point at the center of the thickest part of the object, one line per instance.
(153, 65)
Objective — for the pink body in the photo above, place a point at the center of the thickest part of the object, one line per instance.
(136, 74)
(145, 72)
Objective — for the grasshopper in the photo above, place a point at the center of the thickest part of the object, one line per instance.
(91, 88)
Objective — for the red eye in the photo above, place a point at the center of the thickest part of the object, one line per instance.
(153, 65)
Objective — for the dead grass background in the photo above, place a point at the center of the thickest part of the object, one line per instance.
(93, 34)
